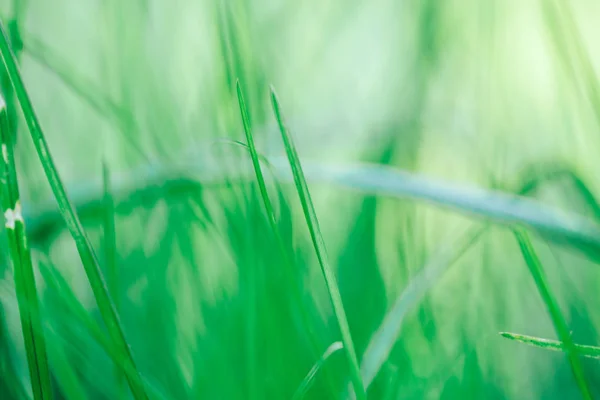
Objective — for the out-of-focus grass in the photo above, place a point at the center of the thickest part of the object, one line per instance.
(413, 122)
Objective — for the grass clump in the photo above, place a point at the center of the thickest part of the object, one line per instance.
(68, 212)
(411, 133)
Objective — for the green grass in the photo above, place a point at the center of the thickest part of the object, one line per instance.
(319, 244)
(167, 255)
(558, 319)
(310, 377)
(27, 295)
(84, 248)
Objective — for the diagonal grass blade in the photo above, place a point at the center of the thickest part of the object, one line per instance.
(558, 319)
(319, 245)
(583, 350)
(310, 377)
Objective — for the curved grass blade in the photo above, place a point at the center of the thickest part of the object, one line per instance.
(556, 225)
(319, 245)
(551, 172)
(559, 226)
(582, 349)
(251, 327)
(310, 377)
(88, 257)
(558, 319)
(27, 296)
(384, 339)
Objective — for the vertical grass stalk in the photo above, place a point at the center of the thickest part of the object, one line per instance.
(27, 297)
(319, 245)
(558, 319)
(270, 211)
(86, 253)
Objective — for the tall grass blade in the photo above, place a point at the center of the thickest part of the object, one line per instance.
(319, 245)
(310, 377)
(558, 319)
(582, 350)
(27, 297)
(270, 210)
(88, 257)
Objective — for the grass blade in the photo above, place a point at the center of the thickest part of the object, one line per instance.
(583, 350)
(289, 263)
(319, 245)
(88, 257)
(92, 95)
(561, 227)
(310, 377)
(558, 319)
(110, 256)
(256, 165)
(500, 207)
(385, 338)
(27, 297)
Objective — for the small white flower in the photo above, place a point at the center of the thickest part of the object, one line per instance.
(12, 216)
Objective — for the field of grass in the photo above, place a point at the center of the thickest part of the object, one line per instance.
(278, 199)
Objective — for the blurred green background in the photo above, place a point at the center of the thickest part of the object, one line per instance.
(492, 94)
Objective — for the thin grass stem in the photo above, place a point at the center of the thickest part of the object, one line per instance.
(560, 325)
(319, 245)
(310, 376)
